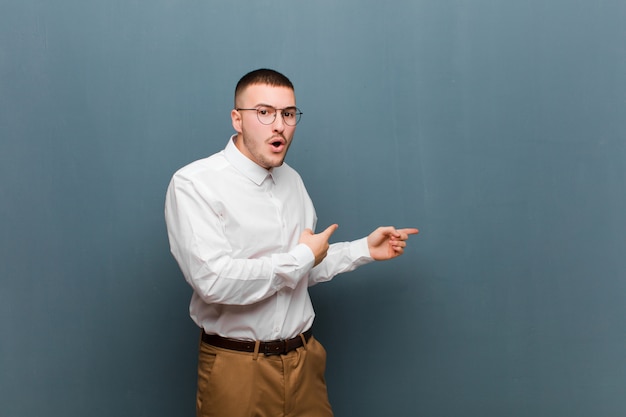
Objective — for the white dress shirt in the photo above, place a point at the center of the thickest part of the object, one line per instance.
(233, 228)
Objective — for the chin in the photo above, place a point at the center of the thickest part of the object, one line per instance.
(276, 162)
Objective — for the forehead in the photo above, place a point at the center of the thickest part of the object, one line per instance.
(279, 97)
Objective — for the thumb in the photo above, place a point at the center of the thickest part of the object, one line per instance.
(329, 231)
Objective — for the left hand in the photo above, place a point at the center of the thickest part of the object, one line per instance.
(388, 242)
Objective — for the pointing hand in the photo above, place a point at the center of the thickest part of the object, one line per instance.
(388, 242)
(318, 243)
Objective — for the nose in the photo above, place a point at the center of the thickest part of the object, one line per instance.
(279, 123)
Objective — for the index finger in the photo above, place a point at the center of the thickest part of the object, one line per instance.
(409, 231)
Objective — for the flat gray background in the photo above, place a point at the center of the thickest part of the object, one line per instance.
(496, 127)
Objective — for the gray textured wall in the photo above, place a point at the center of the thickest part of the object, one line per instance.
(497, 128)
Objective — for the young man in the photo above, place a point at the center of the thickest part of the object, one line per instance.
(240, 224)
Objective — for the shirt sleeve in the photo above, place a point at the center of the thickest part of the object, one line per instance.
(203, 253)
(341, 257)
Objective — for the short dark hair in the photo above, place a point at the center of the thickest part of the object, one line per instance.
(262, 76)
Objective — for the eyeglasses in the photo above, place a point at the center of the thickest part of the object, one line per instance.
(267, 115)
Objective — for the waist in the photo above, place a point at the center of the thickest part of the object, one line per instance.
(272, 347)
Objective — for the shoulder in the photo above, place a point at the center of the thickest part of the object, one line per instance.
(197, 176)
(202, 167)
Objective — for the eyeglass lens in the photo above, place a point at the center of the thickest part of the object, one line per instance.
(267, 115)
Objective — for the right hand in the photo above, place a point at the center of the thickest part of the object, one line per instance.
(318, 243)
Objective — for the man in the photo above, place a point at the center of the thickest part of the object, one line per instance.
(240, 224)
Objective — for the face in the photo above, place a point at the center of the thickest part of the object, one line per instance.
(266, 145)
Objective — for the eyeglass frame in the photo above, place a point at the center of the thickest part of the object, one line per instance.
(297, 112)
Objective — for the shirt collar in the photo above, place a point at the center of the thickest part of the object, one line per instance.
(250, 169)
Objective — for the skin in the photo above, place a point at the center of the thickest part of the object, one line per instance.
(267, 146)
(256, 140)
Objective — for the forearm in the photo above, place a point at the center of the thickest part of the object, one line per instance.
(341, 257)
(220, 279)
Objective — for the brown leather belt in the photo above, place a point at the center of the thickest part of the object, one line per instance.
(274, 347)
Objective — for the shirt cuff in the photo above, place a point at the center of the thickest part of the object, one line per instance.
(303, 255)
(296, 264)
(360, 250)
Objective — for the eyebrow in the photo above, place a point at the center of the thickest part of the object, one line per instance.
(293, 106)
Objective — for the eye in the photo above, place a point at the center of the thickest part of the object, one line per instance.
(290, 112)
(263, 111)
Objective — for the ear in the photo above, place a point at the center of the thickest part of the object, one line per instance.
(235, 116)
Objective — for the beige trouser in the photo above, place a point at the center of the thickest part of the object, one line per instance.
(241, 384)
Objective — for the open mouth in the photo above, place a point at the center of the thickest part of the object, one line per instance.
(278, 144)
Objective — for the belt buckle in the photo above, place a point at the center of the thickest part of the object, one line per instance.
(277, 347)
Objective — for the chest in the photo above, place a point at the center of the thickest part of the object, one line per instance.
(266, 218)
